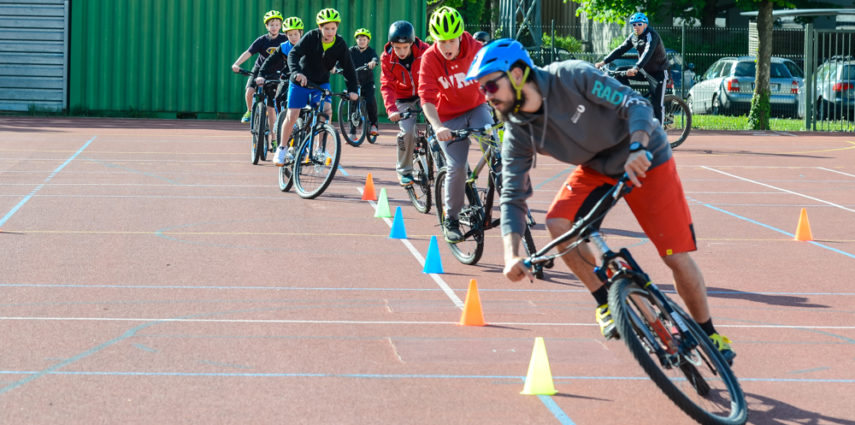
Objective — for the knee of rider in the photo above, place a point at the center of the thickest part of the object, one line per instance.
(557, 226)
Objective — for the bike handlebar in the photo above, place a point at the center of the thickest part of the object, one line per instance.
(408, 113)
(480, 131)
(339, 70)
(616, 73)
(326, 92)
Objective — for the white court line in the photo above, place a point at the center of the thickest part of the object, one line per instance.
(436, 278)
(366, 322)
(835, 171)
(780, 189)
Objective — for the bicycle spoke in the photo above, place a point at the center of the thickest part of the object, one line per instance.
(685, 366)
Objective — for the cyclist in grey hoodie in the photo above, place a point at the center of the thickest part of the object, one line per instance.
(573, 112)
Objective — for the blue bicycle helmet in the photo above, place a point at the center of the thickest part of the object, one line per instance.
(497, 56)
(638, 17)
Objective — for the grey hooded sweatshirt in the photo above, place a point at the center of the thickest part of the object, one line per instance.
(586, 119)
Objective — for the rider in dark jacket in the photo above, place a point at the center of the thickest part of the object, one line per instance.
(651, 58)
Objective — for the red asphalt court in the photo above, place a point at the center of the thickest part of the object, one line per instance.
(150, 274)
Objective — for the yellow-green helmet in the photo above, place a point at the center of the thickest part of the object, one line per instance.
(362, 31)
(328, 15)
(445, 24)
(272, 14)
(292, 23)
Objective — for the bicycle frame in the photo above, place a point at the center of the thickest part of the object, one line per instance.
(617, 265)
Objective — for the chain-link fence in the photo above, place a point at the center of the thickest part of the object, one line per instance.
(712, 70)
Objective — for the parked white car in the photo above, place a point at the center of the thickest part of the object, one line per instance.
(728, 86)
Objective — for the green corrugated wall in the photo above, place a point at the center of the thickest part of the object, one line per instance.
(174, 56)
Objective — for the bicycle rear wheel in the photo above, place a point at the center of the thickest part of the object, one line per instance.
(351, 122)
(277, 131)
(259, 122)
(316, 162)
(471, 222)
(678, 120)
(420, 190)
(686, 367)
(286, 172)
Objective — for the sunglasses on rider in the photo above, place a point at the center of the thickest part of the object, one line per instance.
(638, 24)
(492, 86)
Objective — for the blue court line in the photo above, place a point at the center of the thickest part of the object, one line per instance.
(343, 172)
(543, 183)
(771, 227)
(39, 187)
(349, 289)
(144, 348)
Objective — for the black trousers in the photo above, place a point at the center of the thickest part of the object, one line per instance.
(370, 103)
(657, 90)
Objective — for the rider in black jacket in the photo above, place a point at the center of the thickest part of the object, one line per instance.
(651, 58)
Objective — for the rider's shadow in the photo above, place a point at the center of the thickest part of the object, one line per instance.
(770, 299)
(765, 410)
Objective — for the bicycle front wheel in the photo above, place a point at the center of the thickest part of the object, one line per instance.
(351, 122)
(316, 162)
(686, 367)
(471, 222)
(678, 120)
(259, 122)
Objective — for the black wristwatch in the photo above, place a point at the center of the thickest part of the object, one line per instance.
(635, 147)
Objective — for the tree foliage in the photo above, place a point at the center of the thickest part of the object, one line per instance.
(470, 10)
(703, 11)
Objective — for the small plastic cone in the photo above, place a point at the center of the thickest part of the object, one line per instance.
(398, 231)
(539, 378)
(803, 229)
(382, 210)
(432, 261)
(472, 313)
(368, 193)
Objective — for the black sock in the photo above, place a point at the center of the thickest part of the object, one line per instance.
(601, 295)
(708, 327)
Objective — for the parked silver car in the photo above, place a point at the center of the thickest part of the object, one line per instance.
(835, 88)
(728, 86)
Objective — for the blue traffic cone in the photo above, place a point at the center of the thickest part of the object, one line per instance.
(432, 262)
(398, 230)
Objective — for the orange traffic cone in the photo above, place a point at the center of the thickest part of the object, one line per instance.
(368, 193)
(472, 313)
(803, 229)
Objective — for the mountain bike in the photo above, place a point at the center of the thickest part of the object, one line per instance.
(668, 344)
(476, 216)
(677, 119)
(314, 162)
(424, 172)
(258, 125)
(353, 118)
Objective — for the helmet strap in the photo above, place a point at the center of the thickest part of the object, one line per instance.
(518, 88)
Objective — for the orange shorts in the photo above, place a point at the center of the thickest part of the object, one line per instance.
(659, 205)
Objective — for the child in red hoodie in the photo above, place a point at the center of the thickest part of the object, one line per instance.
(399, 80)
(451, 103)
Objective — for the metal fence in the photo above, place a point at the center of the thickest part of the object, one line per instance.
(820, 103)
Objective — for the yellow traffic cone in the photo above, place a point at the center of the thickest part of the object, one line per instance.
(539, 378)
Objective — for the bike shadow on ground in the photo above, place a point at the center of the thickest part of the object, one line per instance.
(766, 410)
(751, 153)
(770, 299)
